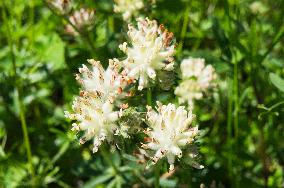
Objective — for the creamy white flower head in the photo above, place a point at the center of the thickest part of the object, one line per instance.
(61, 5)
(151, 50)
(196, 79)
(96, 119)
(107, 84)
(81, 19)
(93, 110)
(128, 8)
(170, 130)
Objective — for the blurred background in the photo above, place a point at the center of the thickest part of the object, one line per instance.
(242, 125)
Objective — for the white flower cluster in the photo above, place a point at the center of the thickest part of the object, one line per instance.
(170, 130)
(196, 79)
(93, 109)
(63, 6)
(99, 108)
(128, 8)
(151, 50)
(81, 19)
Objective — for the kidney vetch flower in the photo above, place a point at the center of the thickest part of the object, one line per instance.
(151, 50)
(196, 79)
(170, 131)
(128, 8)
(94, 110)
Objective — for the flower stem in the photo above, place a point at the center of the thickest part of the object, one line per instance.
(110, 162)
(85, 36)
(18, 94)
(157, 175)
(149, 97)
(183, 29)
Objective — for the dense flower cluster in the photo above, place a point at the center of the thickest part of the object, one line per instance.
(101, 112)
(151, 50)
(82, 19)
(128, 8)
(93, 109)
(196, 79)
(169, 131)
(63, 6)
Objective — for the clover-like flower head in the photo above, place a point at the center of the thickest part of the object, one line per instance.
(128, 8)
(151, 50)
(82, 19)
(170, 131)
(63, 6)
(94, 110)
(196, 79)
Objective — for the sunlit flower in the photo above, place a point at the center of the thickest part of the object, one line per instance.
(94, 110)
(107, 84)
(128, 8)
(151, 50)
(82, 19)
(95, 119)
(170, 131)
(257, 7)
(63, 6)
(196, 79)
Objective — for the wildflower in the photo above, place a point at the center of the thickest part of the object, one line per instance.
(107, 84)
(94, 110)
(151, 50)
(257, 7)
(63, 6)
(128, 8)
(82, 19)
(196, 79)
(169, 131)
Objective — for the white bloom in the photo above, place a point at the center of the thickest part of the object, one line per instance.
(257, 7)
(106, 84)
(61, 5)
(196, 79)
(94, 109)
(81, 19)
(169, 131)
(128, 8)
(97, 120)
(151, 50)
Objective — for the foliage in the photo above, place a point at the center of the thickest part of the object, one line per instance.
(241, 138)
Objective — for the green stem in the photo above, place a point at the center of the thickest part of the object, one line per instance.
(149, 97)
(236, 99)
(83, 34)
(18, 95)
(26, 135)
(110, 162)
(184, 29)
(277, 38)
(229, 128)
(157, 175)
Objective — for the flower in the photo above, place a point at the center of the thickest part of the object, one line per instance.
(107, 84)
(257, 7)
(82, 19)
(97, 120)
(63, 6)
(196, 78)
(128, 8)
(94, 110)
(151, 50)
(169, 131)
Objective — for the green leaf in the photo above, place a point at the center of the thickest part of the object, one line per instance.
(277, 81)
(53, 52)
(168, 183)
(97, 181)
